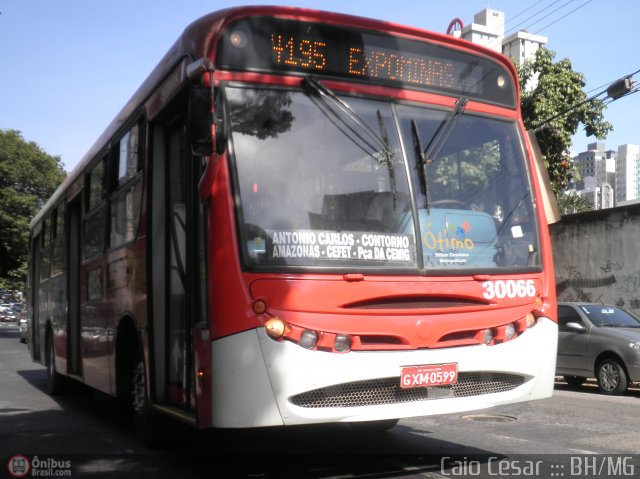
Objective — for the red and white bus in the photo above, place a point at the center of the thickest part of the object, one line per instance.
(303, 217)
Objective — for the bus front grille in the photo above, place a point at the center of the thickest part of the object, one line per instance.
(411, 302)
(388, 391)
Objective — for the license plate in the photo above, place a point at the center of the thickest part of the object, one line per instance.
(429, 375)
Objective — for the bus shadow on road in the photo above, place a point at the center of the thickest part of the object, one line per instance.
(91, 429)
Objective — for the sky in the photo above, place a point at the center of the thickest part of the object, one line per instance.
(67, 67)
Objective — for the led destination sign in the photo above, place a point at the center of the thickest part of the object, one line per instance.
(287, 46)
(380, 63)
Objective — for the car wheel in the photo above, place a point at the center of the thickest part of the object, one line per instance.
(574, 381)
(611, 377)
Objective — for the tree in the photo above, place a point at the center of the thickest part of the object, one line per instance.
(28, 176)
(553, 91)
(572, 202)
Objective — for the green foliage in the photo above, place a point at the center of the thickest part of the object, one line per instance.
(558, 90)
(28, 176)
(569, 203)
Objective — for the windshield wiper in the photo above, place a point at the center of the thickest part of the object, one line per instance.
(426, 155)
(422, 164)
(444, 130)
(378, 144)
(388, 156)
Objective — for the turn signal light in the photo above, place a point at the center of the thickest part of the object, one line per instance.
(259, 307)
(275, 328)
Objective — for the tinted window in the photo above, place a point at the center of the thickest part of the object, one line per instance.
(610, 316)
(45, 250)
(57, 257)
(95, 232)
(125, 213)
(316, 187)
(128, 155)
(97, 186)
(566, 314)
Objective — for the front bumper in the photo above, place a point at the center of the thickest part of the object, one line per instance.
(261, 382)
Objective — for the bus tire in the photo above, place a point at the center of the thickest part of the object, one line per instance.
(145, 421)
(56, 383)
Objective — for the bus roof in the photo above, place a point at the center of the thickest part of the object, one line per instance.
(200, 38)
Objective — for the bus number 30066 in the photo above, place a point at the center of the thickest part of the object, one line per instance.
(509, 289)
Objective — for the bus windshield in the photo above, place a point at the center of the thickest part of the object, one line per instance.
(324, 185)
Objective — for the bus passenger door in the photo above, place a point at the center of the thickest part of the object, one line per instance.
(179, 344)
(174, 281)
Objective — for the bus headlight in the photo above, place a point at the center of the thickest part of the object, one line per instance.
(487, 336)
(342, 343)
(510, 331)
(308, 339)
(531, 320)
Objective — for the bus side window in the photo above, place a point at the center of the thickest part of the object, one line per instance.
(57, 240)
(127, 200)
(95, 211)
(45, 251)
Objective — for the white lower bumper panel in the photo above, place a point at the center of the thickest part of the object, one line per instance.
(261, 382)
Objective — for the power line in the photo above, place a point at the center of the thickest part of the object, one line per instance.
(534, 4)
(495, 41)
(613, 96)
(513, 29)
(612, 82)
(551, 13)
(565, 15)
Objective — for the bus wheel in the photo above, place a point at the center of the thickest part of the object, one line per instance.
(611, 377)
(145, 421)
(374, 426)
(56, 383)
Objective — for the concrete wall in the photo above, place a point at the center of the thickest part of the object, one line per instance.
(597, 257)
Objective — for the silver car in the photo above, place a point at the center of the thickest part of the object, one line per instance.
(600, 341)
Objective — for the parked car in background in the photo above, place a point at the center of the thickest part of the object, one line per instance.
(18, 307)
(600, 341)
(7, 313)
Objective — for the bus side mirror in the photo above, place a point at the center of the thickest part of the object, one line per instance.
(549, 202)
(200, 120)
(221, 125)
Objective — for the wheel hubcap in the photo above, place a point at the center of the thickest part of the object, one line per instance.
(609, 377)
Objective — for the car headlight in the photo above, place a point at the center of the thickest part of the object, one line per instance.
(635, 345)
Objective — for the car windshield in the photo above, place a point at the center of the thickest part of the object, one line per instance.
(344, 182)
(610, 316)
